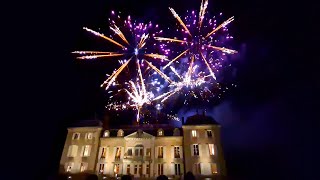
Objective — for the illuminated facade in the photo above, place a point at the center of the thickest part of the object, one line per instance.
(146, 152)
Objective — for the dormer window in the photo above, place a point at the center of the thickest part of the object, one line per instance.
(120, 133)
(76, 136)
(106, 133)
(194, 133)
(176, 132)
(160, 132)
(89, 135)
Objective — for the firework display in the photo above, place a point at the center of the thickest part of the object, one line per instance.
(203, 54)
(158, 66)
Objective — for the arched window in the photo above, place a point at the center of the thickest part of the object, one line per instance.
(120, 133)
(160, 132)
(106, 133)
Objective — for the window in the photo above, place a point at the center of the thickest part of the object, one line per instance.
(214, 168)
(128, 169)
(76, 136)
(197, 168)
(89, 135)
(196, 150)
(177, 169)
(83, 166)
(209, 133)
(160, 132)
(118, 153)
(211, 149)
(136, 169)
(147, 169)
(129, 153)
(177, 152)
(160, 152)
(101, 168)
(86, 151)
(120, 132)
(140, 169)
(138, 150)
(194, 133)
(69, 166)
(106, 134)
(148, 152)
(72, 151)
(103, 152)
(160, 169)
(116, 168)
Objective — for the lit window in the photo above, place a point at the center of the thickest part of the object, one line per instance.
(128, 169)
(209, 133)
(177, 169)
(194, 133)
(120, 132)
(89, 135)
(148, 152)
(160, 152)
(72, 151)
(197, 168)
(176, 152)
(101, 168)
(160, 132)
(76, 136)
(69, 166)
(83, 166)
(86, 151)
(106, 134)
(214, 168)
(196, 150)
(103, 152)
(118, 153)
(116, 168)
(211, 149)
(160, 169)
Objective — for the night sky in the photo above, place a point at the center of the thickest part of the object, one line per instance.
(266, 122)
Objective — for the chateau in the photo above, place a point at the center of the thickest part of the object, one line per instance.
(146, 151)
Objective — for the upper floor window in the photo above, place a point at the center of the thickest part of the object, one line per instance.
(83, 166)
(72, 151)
(195, 150)
(148, 152)
(101, 168)
(106, 133)
(118, 153)
(138, 150)
(160, 151)
(120, 132)
(76, 136)
(209, 133)
(211, 149)
(103, 152)
(177, 152)
(86, 151)
(69, 166)
(89, 135)
(160, 132)
(129, 152)
(194, 133)
(197, 168)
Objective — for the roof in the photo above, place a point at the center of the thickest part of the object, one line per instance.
(199, 119)
(152, 130)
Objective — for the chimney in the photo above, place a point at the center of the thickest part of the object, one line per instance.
(204, 112)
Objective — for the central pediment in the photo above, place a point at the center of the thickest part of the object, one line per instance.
(139, 134)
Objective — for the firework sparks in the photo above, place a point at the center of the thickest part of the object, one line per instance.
(136, 48)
